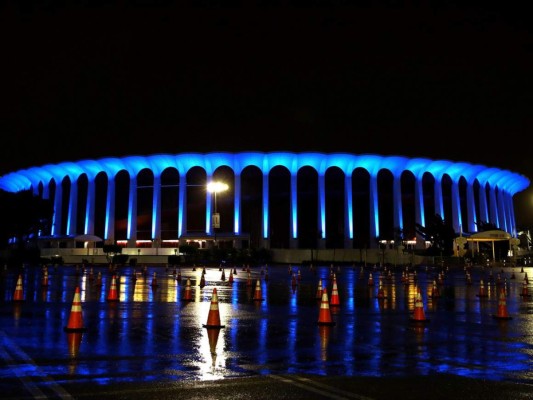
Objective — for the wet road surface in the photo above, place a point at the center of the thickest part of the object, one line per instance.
(150, 342)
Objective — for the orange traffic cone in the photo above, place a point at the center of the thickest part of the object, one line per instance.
(202, 281)
(324, 316)
(525, 292)
(319, 290)
(223, 275)
(370, 280)
(19, 292)
(419, 315)
(502, 307)
(335, 302)
(187, 295)
(213, 319)
(75, 320)
(112, 295)
(249, 280)
(257, 293)
(482, 292)
(154, 280)
(230, 279)
(435, 292)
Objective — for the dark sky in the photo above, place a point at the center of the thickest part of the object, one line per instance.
(434, 79)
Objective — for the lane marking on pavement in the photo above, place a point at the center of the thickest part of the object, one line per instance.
(328, 391)
(28, 383)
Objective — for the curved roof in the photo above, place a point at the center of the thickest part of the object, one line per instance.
(25, 179)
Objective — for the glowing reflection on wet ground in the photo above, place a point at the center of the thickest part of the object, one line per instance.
(152, 333)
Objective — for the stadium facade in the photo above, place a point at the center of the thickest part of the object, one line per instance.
(274, 200)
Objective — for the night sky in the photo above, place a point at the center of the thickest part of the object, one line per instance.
(432, 79)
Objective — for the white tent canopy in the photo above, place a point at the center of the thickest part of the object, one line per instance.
(488, 236)
(88, 238)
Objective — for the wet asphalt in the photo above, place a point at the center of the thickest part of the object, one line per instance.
(151, 343)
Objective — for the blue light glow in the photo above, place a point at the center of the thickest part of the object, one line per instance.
(503, 182)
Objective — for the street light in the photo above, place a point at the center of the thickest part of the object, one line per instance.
(216, 187)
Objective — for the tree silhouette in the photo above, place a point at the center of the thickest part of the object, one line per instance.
(439, 234)
(22, 217)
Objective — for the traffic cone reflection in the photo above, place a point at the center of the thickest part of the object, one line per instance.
(419, 314)
(74, 342)
(525, 292)
(212, 336)
(319, 290)
(324, 315)
(324, 332)
(213, 318)
(19, 292)
(381, 291)
(44, 282)
(75, 320)
(502, 307)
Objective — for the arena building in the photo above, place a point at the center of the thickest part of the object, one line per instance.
(276, 200)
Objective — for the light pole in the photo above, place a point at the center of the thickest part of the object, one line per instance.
(216, 187)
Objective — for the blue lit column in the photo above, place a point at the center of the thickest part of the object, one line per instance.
(89, 208)
(510, 213)
(58, 212)
(397, 202)
(109, 234)
(72, 208)
(132, 213)
(237, 243)
(156, 211)
(456, 207)
(437, 196)
(322, 211)
(483, 209)
(182, 206)
(419, 210)
(294, 211)
(46, 191)
(501, 211)
(348, 212)
(493, 207)
(208, 208)
(374, 210)
(265, 223)
(471, 208)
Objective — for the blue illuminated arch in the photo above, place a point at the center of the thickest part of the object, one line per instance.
(502, 184)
